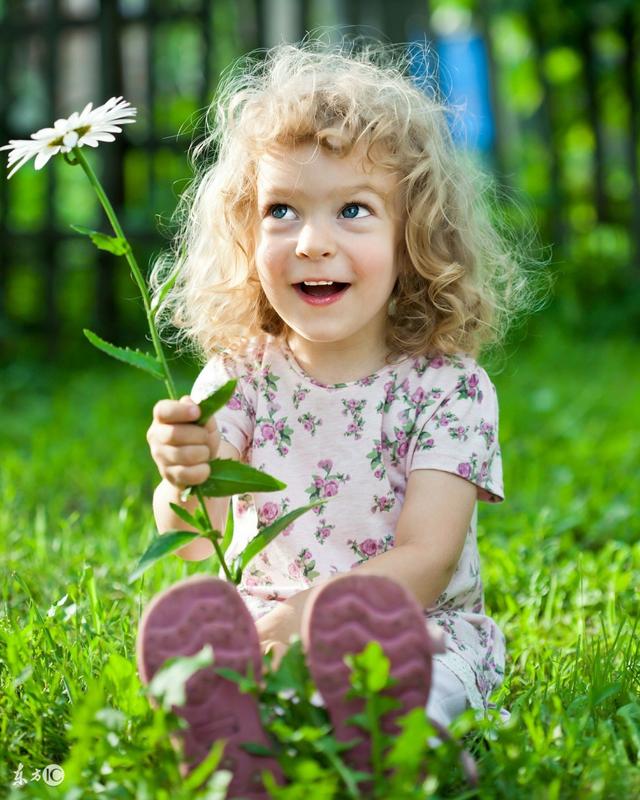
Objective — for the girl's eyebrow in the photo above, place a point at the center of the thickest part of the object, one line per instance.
(340, 190)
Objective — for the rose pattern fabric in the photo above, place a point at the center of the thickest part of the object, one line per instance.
(355, 445)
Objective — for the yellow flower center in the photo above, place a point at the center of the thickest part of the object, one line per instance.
(72, 137)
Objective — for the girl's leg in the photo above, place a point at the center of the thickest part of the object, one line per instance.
(179, 622)
(343, 617)
(448, 697)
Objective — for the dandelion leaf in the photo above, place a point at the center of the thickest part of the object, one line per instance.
(134, 358)
(112, 244)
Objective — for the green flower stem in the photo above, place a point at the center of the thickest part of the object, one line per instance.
(214, 539)
(135, 269)
(376, 744)
(139, 279)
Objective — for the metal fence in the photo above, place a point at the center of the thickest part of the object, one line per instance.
(569, 138)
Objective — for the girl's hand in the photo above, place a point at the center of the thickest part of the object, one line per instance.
(180, 448)
(277, 650)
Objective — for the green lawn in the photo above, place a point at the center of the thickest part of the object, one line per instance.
(561, 565)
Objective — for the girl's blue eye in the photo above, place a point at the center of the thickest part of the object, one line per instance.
(278, 211)
(347, 210)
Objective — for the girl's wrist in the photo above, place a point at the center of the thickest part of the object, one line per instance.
(172, 492)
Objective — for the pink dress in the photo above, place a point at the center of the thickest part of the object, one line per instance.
(355, 444)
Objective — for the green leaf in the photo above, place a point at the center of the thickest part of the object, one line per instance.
(245, 684)
(135, 358)
(112, 244)
(228, 530)
(229, 477)
(167, 286)
(257, 749)
(201, 520)
(185, 516)
(269, 533)
(196, 778)
(630, 713)
(169, 683)
(371, 668)
(235, 568)
(408, 748)
(160, 547)
(214, 401)
(292, 673)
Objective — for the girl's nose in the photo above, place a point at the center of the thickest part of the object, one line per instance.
(315, 241)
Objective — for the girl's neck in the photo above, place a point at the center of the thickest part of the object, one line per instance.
(333, 362)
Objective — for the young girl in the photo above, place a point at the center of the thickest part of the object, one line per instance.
(339, 259)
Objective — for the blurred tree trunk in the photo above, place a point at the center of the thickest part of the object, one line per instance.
(629, 34)
(548, 117)
(112, 165)
(585, 43)
(49, 240)
(498, 149)
(395, 17)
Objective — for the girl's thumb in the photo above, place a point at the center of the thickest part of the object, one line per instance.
(186, 400)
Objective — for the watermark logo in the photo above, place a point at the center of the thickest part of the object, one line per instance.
(52, 775)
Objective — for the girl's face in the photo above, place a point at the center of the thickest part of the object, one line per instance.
(325, 218)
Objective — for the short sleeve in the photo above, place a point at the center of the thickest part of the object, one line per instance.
(459, 434)
(236, 419)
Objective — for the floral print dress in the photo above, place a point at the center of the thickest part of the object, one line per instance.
(355, 444)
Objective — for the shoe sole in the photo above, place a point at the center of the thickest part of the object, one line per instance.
(343, 617)
(179, 622)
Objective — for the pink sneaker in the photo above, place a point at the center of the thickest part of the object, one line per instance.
(343, 617)
(179, 622)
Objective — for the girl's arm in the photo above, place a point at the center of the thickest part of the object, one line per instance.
(430, 534)
(182, 450)
(429, 539)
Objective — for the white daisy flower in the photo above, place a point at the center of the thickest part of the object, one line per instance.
(91, 126)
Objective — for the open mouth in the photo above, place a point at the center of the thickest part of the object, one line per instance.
(322, 290)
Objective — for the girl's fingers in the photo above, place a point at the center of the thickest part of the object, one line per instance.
(179, 435)
(277, 650)
(181, 476)
(174, 411)
(180, 448)
(189, 456)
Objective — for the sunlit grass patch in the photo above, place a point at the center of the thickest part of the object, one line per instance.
(561, 566)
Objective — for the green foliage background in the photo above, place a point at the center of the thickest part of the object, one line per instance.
(565, 78)
(561, 566)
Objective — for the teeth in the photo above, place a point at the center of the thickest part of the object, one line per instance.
(318, 283)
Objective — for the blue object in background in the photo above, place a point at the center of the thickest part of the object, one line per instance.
(463, 77)
(464, 81)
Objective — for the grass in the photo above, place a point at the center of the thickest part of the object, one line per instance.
(561, 567)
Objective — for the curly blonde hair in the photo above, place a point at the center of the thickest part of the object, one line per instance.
(462, 279)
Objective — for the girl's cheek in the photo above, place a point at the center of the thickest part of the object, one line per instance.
(269, 257)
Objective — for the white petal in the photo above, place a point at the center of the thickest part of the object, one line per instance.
(101, 123)
(14, 144)
(107, 128)
(19, 153)
(44, 155)
(45, 133)
(23, 160)
(97, 136)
